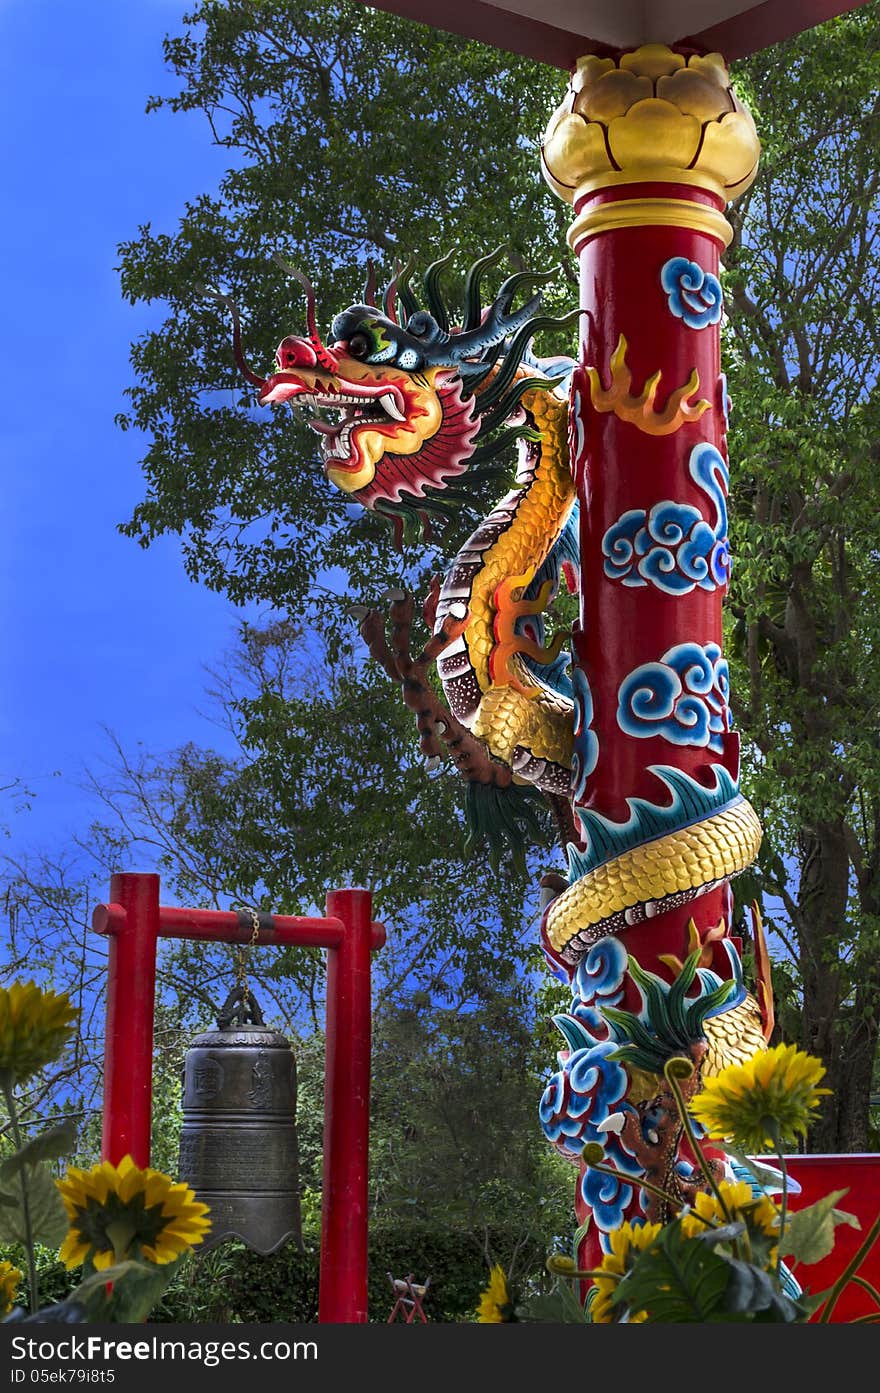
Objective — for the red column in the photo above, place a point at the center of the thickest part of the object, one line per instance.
(648, 147)
(343, 1284)
(131, 989)
(640, 484)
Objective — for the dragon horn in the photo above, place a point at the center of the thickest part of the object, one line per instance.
(240, 360)
(370, 287)
(389, 299)
(472, 287)
(431, 285)
(324, 356)
(405, 295)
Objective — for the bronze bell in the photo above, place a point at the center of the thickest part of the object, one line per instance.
(238, 1145)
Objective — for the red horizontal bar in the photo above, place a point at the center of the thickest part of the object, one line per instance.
(227, 926)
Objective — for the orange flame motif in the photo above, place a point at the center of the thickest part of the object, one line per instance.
(712, 935)
(510, 606)
(763, 970)
(639, 410)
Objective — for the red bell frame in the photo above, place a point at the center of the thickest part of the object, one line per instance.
(134, 921)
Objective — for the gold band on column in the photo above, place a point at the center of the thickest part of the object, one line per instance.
(652, 212)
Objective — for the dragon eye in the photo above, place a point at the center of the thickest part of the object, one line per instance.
(359, 346)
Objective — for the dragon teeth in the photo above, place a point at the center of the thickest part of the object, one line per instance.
(388, 404)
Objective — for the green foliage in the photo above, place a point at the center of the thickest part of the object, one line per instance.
(55, 1142)
(125, 1292)
(803, 353)
(233, 1284)
(809, 1233)
(752, 1295)
(48, 1223)
(559, 1306)
(454, 1133)
(677, 1279)
(54, 1280)
(316, 102)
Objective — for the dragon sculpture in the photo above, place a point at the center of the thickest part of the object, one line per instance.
(413, 413)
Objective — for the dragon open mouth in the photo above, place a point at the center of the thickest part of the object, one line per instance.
(350, 412)
(352, 405)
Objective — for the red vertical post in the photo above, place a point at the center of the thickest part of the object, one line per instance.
(131, 989)
(649, 146)
(343, 1282)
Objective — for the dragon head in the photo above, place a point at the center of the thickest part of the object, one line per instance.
(404, 403)
(400, 421)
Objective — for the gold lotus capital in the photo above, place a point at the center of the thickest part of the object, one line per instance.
(651, 116)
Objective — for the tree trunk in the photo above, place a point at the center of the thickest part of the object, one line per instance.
(824, 887)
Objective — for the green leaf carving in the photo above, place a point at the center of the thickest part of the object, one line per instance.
(576, 1035)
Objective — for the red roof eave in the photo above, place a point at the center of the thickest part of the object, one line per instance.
(755, 28)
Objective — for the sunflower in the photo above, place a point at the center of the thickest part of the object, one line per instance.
(9, 1279)
(738, 1205)
(772, 1095)
(35, 1025)
(121, 1211)
(496, 1306)
(625, 1242)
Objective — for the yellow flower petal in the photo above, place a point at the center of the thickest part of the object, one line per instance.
(495, 1302)
(10, 1280)
(112, 1207)
(624, 1242)
(777, 1085)
(35, 1026)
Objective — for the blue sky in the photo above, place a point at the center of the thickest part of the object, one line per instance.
(97, 631)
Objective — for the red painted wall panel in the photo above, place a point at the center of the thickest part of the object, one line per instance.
(860, 1174)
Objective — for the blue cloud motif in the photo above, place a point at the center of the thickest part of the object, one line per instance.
(558, 1127)
(577, 418)
(683, 698)
(585, 754)
(673, 547)
(725, 400)
(580, 1095)
(694, 294)
(608, 1197)
(598, 982)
